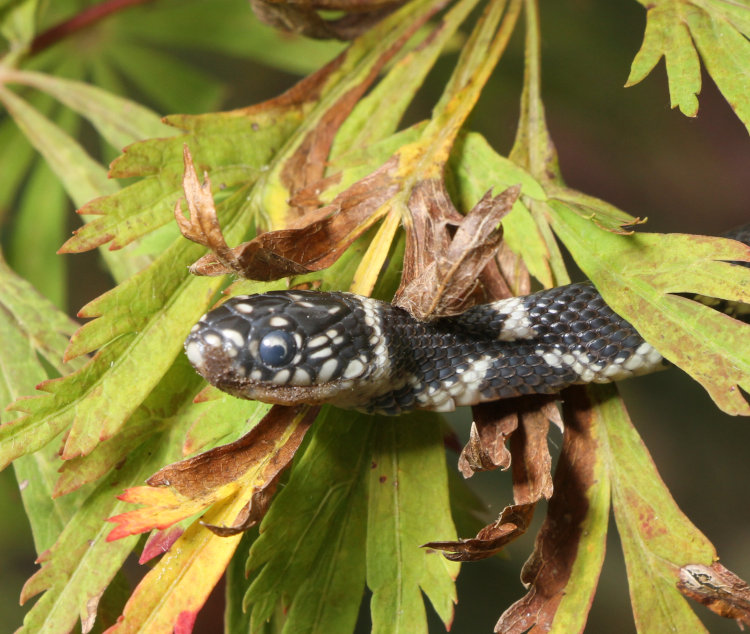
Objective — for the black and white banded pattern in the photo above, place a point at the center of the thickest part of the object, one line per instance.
(359, 353)
(355, 352)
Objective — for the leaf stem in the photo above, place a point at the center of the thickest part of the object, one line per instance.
(78, 22)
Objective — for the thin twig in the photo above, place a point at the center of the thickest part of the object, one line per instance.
(84, 19)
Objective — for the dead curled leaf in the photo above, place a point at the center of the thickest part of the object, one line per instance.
(441, 270)
(548, 569)
(313, 242)
(718, 588)
(524, 422)
(512, 523)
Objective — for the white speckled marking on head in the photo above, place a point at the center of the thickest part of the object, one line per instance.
(233, 336)
(354, 369)
(212, 339)
(323, 353)
(281, 377)
(316, 342)
(194, 354)
(243, 308)
(278, 321)
(326, 371)
(301, 377)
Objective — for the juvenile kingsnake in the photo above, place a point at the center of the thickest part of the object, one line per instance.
(355, 352)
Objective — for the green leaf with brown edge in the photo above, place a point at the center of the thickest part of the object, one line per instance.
(656, 537)
(638, 277)
(146, 331)
(77, 569)
(719, 30)
(408, 505)
(314, 569)
(272, 133)
(563, 571)
(302, 161)
(118, 120)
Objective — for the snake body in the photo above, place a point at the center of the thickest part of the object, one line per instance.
(296, 346)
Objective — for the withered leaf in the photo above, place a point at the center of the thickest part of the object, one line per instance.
(524, 422)
(314, 241)
(486, 450)
(719, 589)
(512, 523)
(441, 271)
(248, 468)
(549, 567)
(196, 476)
(532, 463)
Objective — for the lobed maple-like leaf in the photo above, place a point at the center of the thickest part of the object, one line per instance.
(718, 30)
(640, 277)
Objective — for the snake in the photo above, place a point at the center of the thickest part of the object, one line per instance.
(311, 347)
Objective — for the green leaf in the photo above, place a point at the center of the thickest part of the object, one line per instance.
(230, 27)
(668, 35)
(656, 537)
(476, 169)
(369, 121)
(170, 83)
(719, 30)
(82, 563)
(408, 506)
(120, 121)
(82, 177)
(315, 569)
(32, 329)
(639, 276)
(18, 22)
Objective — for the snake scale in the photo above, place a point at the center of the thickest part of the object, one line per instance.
(296, 346)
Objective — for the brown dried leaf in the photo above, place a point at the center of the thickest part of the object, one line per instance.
(246, 469)
(496, 422)
(532, 463)
(206, 472)
(441, 272)
(525, 422)
(719, 589)
(315, 241)
(549, 567)
(512, 523)
(203, 226)
(493, 423)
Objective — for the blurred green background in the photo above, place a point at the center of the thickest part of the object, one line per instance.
(623, 145)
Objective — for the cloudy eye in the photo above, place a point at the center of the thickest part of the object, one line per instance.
(277, 348)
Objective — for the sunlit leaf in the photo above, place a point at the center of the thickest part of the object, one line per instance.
(719, 30)
(640, 277)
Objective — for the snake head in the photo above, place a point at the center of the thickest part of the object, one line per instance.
(288, 347)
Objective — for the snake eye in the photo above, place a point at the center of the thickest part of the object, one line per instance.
(277, 348)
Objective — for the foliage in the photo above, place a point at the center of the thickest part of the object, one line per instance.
(327, 188)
